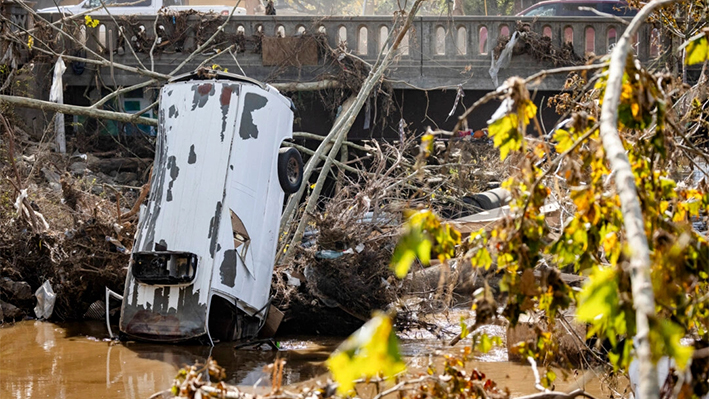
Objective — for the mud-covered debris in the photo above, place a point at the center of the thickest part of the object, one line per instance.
(10, 312)
(15, 290)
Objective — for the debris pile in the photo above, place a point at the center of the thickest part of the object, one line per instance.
(66, 221)
(340, 273)
(539, 47)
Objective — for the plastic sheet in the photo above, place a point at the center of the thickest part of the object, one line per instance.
(45, 301)
(56, 95)
(503, 61)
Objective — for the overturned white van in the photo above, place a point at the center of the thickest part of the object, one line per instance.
(203, 255)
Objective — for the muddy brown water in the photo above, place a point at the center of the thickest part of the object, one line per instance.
(76, 360)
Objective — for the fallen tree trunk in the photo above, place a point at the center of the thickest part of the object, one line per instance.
(76, 110)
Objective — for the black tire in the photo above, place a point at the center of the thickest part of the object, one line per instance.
(290, 169)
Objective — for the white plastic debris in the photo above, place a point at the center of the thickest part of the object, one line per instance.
(56, 95)
(502, 110)
(20, 198)
(292, 281)
(503, 61)
(45, 301)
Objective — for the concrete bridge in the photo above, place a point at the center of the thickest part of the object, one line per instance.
(438, 52)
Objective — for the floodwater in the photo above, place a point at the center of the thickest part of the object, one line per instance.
(46, 360)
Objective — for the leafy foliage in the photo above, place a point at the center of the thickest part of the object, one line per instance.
(423, 233)
(697, 50)
(592, 241)
(371, 351)
(91, 22)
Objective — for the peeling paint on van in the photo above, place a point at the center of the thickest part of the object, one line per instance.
(225, 102)
(174, 172)
(201, 94)
(192, 158)
(227, 271)
(214, 228)
(248, 128)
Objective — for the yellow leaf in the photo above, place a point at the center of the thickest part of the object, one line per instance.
(371, 351)
(529, 110)
(635, 109)
(697, 51)
(505, 135)
(30, 42)
(563, 139)
(90, 22)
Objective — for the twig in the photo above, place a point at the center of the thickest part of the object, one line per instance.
(207, 43)
(123, 90)
(155, 42)
(310, 152)
(401, 385)
(127, 42)
(237, 62)
(213, 56)
(552, 167)
(605, 14)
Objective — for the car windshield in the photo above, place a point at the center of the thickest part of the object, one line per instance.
(547, 10)
(97, 3)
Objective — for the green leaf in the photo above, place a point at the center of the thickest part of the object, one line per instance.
(665, 339)
(463, 328)
(599, 296)
(485, 343)
(697, 51)
(550, 377)
(411, 245)
(370, 351)
(482, 258)
(505, 135)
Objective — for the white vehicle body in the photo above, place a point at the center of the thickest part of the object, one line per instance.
(204, 250)
(137, 7)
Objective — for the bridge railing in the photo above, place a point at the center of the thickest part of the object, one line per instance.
(466, 38)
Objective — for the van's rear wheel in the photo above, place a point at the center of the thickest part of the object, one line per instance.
(290, 169)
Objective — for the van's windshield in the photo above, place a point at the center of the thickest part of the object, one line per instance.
(136, 3)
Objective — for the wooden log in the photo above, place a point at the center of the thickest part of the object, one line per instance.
(76, 110)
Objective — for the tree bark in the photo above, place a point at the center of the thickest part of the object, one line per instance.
(458, 7)
(76, 110)
(639, 268)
